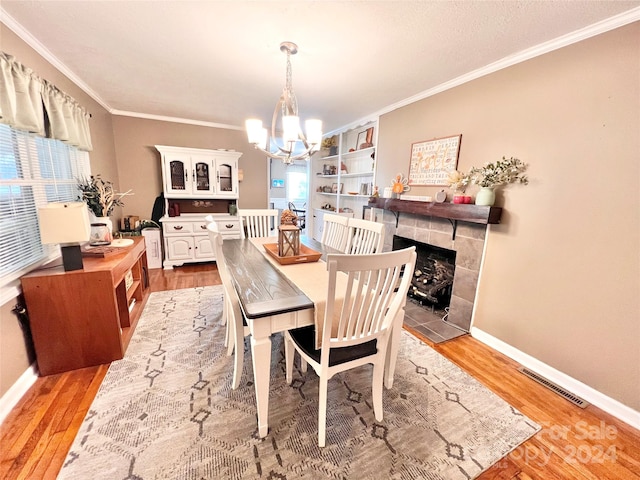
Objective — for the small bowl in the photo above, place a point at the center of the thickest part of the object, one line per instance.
(352, 193)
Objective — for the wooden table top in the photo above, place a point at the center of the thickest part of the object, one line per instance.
(262, 290)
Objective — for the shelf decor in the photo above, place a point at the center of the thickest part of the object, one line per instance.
(433, 160)
(494, 174)
(399, 185)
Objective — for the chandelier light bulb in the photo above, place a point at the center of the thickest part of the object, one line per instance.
(314, 131)
(290, 128)
(253, 127)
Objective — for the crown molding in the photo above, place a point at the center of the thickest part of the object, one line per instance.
(163, 118)
(603, 26)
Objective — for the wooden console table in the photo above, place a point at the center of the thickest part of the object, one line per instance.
(86, 317)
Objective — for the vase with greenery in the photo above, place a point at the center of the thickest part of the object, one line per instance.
(101, 197)
(495, 174)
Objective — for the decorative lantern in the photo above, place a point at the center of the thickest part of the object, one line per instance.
(288, 240)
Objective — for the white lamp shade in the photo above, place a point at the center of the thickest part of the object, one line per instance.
(262, 138)
(291, 128)
(254, 128)
(64, 223)
(314, 131)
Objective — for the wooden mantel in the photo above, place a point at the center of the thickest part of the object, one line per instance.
(452, 211)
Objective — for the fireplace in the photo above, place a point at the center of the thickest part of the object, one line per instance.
(465, 245)
(432, 281)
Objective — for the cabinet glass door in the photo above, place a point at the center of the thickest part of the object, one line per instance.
(225, 179)
(177, 171)
(202, 177)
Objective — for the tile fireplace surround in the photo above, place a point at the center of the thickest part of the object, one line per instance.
(468, 245)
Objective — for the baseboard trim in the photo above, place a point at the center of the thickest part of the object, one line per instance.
(594, 397)
(17, 390)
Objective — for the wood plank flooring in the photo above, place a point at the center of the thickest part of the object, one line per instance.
(575, 443)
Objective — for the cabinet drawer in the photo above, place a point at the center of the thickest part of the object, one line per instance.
(172, 228)
(229, 228)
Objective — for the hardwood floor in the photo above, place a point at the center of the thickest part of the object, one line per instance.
(575, 443)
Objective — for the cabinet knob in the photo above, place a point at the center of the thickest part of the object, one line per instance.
(178, 227)
(203, 227)
(229, 225)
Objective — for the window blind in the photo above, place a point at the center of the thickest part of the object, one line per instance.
(33, 172)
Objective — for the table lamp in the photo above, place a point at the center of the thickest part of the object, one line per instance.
(66, 223)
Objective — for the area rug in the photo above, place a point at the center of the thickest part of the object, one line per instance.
(167, 411)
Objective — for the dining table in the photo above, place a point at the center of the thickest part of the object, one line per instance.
(272, 300)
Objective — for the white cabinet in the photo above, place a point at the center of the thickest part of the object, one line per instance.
(226, 177)
(178, 250)
(197, 183)
(186, 238)
(344, 181)
(196, 173)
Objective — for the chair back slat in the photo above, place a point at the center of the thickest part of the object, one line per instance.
(334, 231)
(376, 289)
(257, 222)
(364, 237)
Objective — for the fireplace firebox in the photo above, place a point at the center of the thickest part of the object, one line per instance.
(432, 282)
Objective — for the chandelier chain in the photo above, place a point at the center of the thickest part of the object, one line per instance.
(290, 104)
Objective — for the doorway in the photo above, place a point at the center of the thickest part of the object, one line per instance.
(289, 184)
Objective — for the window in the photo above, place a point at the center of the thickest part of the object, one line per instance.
(33, 171)
(296, 184)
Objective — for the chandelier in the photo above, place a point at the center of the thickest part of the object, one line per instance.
(287, 107)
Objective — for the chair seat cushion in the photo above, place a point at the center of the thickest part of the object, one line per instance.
(305, 339)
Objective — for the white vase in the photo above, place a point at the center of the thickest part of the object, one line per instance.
(97, 236)
(486, 196)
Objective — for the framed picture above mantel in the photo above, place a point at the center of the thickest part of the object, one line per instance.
(432, 160)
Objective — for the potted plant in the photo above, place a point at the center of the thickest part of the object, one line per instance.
(494, 174)
(100, 197)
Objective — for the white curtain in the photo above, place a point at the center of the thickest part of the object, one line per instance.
(20, 96)
(68, 121)
(24, 99)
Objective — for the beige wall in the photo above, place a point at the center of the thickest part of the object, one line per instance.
(14, 359)
(561, 277)
(139, 162)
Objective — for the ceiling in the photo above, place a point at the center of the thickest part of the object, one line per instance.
(218, 62)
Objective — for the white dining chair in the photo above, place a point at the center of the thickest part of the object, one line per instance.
(258, 222)
(364, 237)
(334, 231)
(237, 328)
(356, 326)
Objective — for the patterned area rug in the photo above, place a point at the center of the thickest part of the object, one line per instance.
(167, 411)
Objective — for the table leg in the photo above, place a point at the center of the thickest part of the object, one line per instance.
(261, 358)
